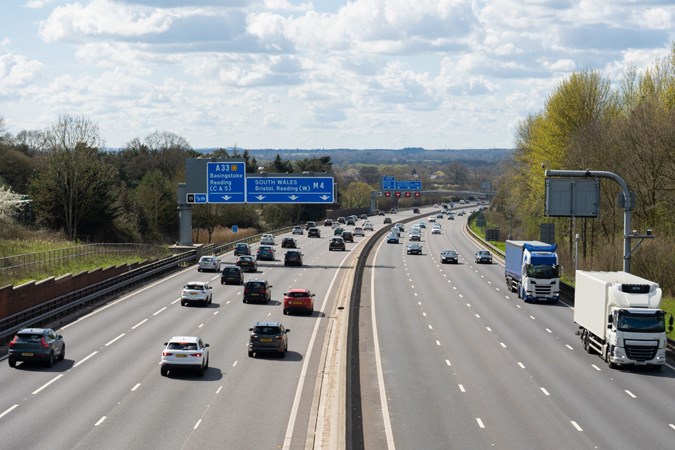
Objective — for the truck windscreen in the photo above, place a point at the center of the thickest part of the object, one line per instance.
(543, 272)
(645, 323)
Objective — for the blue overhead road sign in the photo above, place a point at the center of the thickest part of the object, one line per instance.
(226, 182)
(289, 189)
(408, 185)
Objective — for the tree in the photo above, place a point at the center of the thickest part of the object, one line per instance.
(10, 203)
(156, 197)
(74, 180)
(357, 195)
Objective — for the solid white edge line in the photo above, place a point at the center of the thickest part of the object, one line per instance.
(378, 361)
(12, 408)
(303, 372)
(46, 384)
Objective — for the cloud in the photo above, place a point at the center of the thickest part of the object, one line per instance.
(17, 72)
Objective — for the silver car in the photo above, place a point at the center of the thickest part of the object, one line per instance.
(196, 292)
(209, 263)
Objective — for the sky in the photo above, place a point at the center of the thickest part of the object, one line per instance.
(313, 74)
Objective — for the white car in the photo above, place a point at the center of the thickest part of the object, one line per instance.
(185, 353)
(196, 292)
(297, 230)
(431, 219)
(436, 230)
(211, 263)
(368, 226)
(267, 239)
(358, 231)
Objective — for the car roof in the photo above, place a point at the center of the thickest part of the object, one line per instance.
(184, 339)
(33, 330)
(242, 244)
(298, 290)
(197, 282)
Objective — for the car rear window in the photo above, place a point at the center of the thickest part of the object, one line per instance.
(32, 337)
(255, 285)
(182, 346)
(197, 287)
(231, 270)
(267, 330)
(297, 294)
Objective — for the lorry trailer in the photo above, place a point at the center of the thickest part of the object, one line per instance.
(531, 269)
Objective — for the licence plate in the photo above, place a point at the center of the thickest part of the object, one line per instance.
(640, 363)
(180, 355)
(265, 339)
(27, 354)
(296, 303)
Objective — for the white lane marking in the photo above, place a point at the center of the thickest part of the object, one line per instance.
(118, 337)
(139, 324)
(85, 358)
(415, 293)
(305, 364)
(438, 342)
(521, 365)
(488, 328)
(419, 303)
(235, 363)
(518, 306)
(12, 408)
(197, 424)
(576, 425)
(175, 301)
(532, 317)
(469, 305)
(216, 313)
(478, 316)
(461, 388)
(670, 425)
(200, 325)
(596, 367)
(569, 346)
(498, 289)
(549, 331)
(46, 384)
(448, 362)
(430, 327)
(424, 314)
(480, 422)
(461, 296)
(502, 344)
(630, 393)
(100, 421)
(544, 391)
(135, 387)
(220, 388)
(159, 311)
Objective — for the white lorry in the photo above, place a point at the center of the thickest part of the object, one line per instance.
(531, 269)
(619, 318)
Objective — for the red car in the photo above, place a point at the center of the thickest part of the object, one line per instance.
(299, 300)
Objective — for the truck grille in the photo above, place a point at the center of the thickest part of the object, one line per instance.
(640, 353)
(542, 290)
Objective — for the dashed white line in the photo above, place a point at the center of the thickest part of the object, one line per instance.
(118, 337)
(549, 331)
(200, 325)
(430, 327)
(569, 346)
(135, 387)
(502, 344)
(596, 367)
(220, 388)
(215, 313)
(544, 391)
(12, 408)
(438, 342)
(100, 421)
(532, 317)
(175, 301)
(424, 314)
(85, 358)
(670, 425)
(630, 393)
(478, 316)
(518, 306)
(46, 384)
(197, 424)
(576, 425)
(480, 422)
(488, 328)
(447, 361)
(461, 296)
(159, 311)
(461, 388)
(235, 363)
(139, 324)
(521, 365)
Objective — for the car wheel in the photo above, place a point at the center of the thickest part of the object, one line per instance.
(163, 371)
(182, 303)
(250, 354)
(285, 312)
(12, 362)
(50, 360)
(207, 363)
(62, 356)
(283, 354)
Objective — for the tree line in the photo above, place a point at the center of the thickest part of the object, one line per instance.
(627, 129)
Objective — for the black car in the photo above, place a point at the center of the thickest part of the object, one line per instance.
(483, 256)
(242, 248)
(247, 263)
(351, 221)
(449, 257)
(268, 337)
(347, 236)
(232, 275)
(337, 243)
(293, 258)
(36, 344)
(416, 210)
(414, 249)
(328, 223)
(259, 291)
(289, 242)
(387, 220)
(314, 232)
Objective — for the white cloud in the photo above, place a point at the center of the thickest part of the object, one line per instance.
(17, 72)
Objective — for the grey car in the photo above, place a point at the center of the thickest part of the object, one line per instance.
(268, 337)
(36, 344)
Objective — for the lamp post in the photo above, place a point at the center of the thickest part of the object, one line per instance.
(576, 252)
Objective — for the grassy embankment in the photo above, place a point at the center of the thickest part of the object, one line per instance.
(667, 304)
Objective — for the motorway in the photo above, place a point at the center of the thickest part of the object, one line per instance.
(449, 359)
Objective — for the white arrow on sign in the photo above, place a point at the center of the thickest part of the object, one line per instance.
(226, 197)
(293, 197)
(324, 197)
(260, 197)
